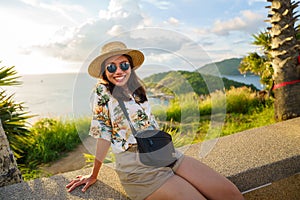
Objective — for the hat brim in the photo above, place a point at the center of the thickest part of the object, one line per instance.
(94, 68)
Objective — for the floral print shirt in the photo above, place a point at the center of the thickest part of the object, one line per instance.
(110, 123)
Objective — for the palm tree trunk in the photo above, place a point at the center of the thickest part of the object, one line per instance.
(9, 172)
(284, 52)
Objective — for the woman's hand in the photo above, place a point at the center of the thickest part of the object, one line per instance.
(80, 180)
(101, 151)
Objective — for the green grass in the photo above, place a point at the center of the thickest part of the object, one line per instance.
(233, 123)
(236, 122)
(240, 109)
(51, 139)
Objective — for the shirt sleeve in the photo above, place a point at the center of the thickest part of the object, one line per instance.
(101, 123)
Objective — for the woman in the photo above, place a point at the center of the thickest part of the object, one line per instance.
(188, 178)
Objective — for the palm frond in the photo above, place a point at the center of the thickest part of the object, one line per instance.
(8, 76)
(13, 115)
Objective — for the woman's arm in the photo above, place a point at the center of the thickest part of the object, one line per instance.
(102, 147)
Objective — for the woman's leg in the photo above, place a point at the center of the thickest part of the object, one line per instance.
(210, 183)
(176, 188)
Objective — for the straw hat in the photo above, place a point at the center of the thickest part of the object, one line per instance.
(113, 49)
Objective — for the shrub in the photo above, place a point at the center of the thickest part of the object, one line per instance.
(184, 108)
(241, 100)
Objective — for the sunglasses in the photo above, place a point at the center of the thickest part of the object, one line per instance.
(112, 68)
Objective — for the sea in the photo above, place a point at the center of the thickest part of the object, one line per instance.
(69, 95)
(249, 79)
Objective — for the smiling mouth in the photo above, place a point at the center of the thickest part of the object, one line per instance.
(120, 78)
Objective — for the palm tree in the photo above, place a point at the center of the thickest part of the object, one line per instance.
(260, 64)
(284, 52)
(9, 172)
(13, 128)
(278, 67)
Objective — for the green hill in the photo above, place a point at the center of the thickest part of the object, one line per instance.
(225, 67)
(182, 82)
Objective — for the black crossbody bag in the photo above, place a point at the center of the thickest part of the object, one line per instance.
(155, 147)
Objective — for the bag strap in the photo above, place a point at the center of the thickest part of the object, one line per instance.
(122, 105)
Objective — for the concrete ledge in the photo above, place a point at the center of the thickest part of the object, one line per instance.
(250, 159)
(53, 188)
(258, 156)
(284, 189)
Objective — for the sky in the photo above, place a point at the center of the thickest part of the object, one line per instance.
(51, 36)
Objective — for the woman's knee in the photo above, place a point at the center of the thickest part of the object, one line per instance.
(209, 182)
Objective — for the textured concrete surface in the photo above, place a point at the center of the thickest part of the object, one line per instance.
(53, 188)
(250, 159)
(256, 157)
(284, 189)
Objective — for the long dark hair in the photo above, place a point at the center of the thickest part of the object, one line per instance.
(134, 84)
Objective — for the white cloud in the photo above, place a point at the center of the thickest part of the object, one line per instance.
(250, 2)
(163, 5)
(170, 48)
(248, 21)
(54, 6)
(201, 31)
(62, 9)
(68, 33)
(120, 9)
(147, 21)
(172, 21)
(159, 57)
(74, 44)
(116, 30)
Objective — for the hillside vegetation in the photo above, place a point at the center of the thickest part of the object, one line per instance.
(182, 82)
(201, 81)
(225, 67)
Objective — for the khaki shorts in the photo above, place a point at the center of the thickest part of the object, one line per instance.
(139, 180)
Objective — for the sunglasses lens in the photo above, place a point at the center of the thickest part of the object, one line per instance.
(124, 66)
(111, 68)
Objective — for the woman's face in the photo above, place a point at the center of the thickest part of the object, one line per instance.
(117, 70)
